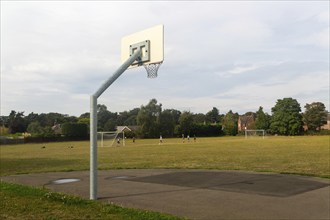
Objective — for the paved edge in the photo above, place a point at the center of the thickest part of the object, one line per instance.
(115, 186)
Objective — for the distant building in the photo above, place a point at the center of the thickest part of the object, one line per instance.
(127, 128)
(327, 125)
(57, 129)
(246, 122)
(323, 127)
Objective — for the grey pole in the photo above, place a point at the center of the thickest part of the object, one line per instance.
(93, 122)
(93, 148)
(118, 73)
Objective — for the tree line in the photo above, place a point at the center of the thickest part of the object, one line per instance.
(152, 120)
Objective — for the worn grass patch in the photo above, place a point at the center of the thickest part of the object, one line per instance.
(24, 202)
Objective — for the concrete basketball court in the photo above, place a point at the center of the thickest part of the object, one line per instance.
(198, 194)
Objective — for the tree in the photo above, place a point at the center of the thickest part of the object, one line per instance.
(35, 128)
(75, 130)
(230, 123)
(16, 122)
(85, 115)
(50, 119)
(206, 130)
(186, 122)
(199, 118)
(128, 117)
(4, 121)
(315, 115)
(84, 119)
(262, 119)
(110, 125)
(175, 114)
(148, 119)
(32, 117)
(103, 116)
(167, 123)
(213, 116)
(286, 118)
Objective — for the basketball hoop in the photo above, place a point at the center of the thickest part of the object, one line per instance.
(141, 48)
(152, 69)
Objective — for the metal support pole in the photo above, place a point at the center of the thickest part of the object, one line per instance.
(123, 138)
(101, 136)
(93, 148)
(118, 73)
(93, 122)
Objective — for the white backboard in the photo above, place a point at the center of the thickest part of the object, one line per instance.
(154, 35)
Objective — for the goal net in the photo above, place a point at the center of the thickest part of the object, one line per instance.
(107, 138)
(254, 133)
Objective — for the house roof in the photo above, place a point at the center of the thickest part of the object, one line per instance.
(123, 128)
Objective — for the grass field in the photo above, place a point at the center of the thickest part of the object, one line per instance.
(305, 155)
(24, 202)
(296, 155)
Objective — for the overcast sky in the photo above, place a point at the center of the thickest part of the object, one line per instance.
(230, 55)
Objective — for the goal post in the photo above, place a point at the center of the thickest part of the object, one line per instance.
(255, 133)
(106, 138)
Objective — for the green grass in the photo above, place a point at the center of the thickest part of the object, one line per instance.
(24, 202)
(305, 155)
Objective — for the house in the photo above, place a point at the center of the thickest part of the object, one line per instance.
(57, 128)
(128, 131)
(323, 127)
(246, 122)
(127, 128)
(327, 125)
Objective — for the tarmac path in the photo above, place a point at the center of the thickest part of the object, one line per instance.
(198, 194)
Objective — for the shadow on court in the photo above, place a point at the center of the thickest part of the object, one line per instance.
(199, 194)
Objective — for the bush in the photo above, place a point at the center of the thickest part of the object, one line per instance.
(321, 132)
(202, 130)
(75, 130)
(3, 131)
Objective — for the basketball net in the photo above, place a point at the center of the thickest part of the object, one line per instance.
(152, 69)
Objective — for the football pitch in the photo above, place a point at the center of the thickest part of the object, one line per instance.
(303, 155)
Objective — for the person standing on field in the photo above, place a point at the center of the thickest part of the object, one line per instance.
(160, 139)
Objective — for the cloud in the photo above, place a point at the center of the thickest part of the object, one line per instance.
(306, 88)
(55, 54)
(320, 39)
(242, 69)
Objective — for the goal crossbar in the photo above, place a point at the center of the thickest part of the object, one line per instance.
(260, 131)
(102, 136)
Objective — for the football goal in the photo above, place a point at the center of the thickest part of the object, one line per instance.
(255, 133)
(106, 138)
